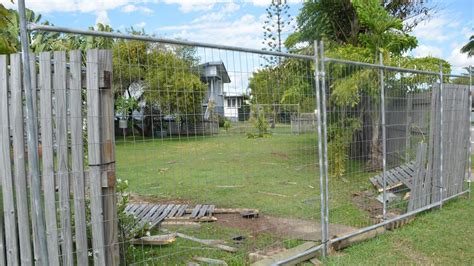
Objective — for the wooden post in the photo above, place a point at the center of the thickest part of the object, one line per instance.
(94, 149)
(108, 158)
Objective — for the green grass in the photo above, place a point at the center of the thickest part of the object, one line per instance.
(195, 170)
(442, 237)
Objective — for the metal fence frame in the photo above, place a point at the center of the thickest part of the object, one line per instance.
(320, 76)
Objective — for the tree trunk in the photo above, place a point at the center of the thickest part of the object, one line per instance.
(376, 157)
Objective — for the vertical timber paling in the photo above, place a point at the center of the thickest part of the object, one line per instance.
(62, 156)
(11, 243)
(36, 240)
(77, 155)
(320, 145)
(19, 159)
(32, 137)
(94, 149)
(46, 122)
(107, 141)
(441, 134)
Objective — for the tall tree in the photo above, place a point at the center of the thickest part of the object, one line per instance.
(469, 47)
(277, 22)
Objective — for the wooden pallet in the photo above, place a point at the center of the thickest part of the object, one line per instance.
(154, 214)
(396, 177)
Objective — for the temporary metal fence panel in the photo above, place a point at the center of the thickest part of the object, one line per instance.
(218, 164)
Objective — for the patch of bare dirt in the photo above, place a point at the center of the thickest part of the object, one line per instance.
(280, 227)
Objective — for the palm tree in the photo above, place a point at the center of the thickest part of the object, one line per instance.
(469, 47)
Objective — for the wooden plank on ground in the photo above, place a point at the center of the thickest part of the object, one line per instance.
(49, 188)
(162, 216)
(157, 240)
(9, 212)
(19, 179)
(77, 156)
(181, 210)
(203, 211)
(196, 210)
(289, 253)
(211, 209)
(59, 85)
(212, 243)
(94, 149)
(174, 210)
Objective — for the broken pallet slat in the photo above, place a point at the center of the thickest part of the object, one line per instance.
(181, 210)
(202, 211)
(208, 242)
(290, 253)
(196, 210)
(174, 210)
(210, 211)
(157, 240)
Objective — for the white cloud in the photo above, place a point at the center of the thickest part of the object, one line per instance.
(140, 25)
(459, 60)
(133, 8)
(102, 17)
(427, 50)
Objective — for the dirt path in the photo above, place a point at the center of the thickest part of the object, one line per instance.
(281, 227)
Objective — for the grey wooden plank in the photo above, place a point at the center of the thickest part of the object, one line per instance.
(107, 155)
(158, 213)
(77, 155)
(145, 211)
(407, 179)
(150, 214)
(202, 211)
(139, 210)
(210, 211)
(46, 121)
(162, 216)
(174, 210)
(59, 85)
(34, 223)
(195, 211)
(19, 180)
(9, 212)
(127, 208)
(391, 180)
(181, 210)
(94, 153)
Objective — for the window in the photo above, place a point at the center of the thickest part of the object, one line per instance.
(228, 102)
(233, 102)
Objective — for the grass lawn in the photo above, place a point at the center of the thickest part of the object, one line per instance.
(442, 237)
(277, 175)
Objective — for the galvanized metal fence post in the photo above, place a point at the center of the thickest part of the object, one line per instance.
(33, 160)
(384, 137)
(325, 146)
(441, 185)
(320, 147)
(469, 171)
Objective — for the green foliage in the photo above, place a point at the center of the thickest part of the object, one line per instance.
(227, 125)
(125, 106)
(339, 138)
(128, 227)
(469, 47)
(260, 123)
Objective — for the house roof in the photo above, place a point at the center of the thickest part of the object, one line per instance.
(221, 70)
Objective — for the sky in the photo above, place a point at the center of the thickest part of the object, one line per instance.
(239, 23)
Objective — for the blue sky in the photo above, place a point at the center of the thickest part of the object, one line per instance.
(239, 23)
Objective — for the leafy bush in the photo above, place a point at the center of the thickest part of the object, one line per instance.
(227, 125)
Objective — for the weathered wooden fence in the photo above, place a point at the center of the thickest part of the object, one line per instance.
(74, 99)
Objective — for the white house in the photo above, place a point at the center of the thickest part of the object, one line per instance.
(215, 75)
(232, 103)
